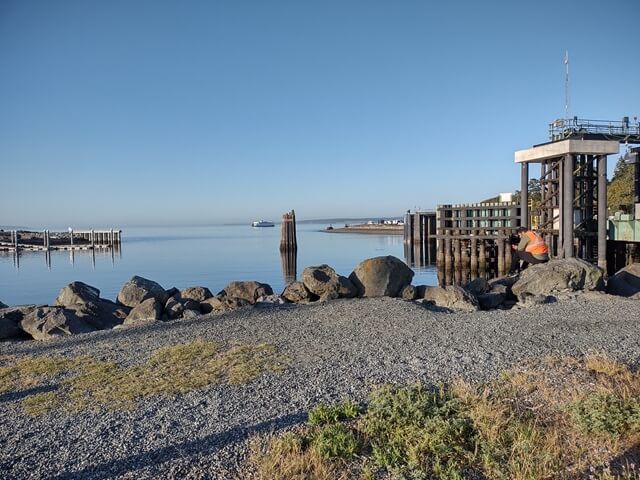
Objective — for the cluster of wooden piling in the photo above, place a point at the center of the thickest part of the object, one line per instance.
(420, 238)
(467, 239)
(97, 237)
(476, 251)
(89, 239)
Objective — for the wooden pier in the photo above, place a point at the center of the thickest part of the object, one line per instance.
(70, 240)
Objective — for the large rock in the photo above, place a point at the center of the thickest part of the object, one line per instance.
(77, 293)
(321, 280)
(296, 292)
(249, 291)
(173, 309)
(346, 288)
(138, 289)
(197, 294)
(3, 305)
(44, 323)
(101, 315)
(625, 282)
(10, 318)
(451, 297)
(381, 276)
(409, 293)
(478, 286)
(221, 303)
(491, 299)
(146, 311)
(85, 301)
(558, 276)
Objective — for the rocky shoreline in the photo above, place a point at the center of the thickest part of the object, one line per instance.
(80, 309)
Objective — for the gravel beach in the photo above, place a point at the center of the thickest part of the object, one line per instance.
(337, 350)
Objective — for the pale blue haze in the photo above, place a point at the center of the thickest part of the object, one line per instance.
(187, 112)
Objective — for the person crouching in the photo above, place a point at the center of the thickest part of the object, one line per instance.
(531, 249)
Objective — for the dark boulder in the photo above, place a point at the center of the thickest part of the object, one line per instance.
(451, 297)
(85, 301)
(77, 293)
(558, 276)
(10, 318)
(491, 300)
(138, 289)
(381, 276)
(625, 282)
(249, 291)
(409, 293)
(173, 309)
(148, 310)
(296, 292)
(346, 288)
(197, 294)
(44, 323)
(322, 281)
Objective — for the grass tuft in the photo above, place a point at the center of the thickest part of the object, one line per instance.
(335, 440)
(323, 413)
(91, 384)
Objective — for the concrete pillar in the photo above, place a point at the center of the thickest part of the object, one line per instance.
(71, 239)
(524, 194)
(602, 212)
(567, 205)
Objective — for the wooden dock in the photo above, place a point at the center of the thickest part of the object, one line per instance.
(16, 240)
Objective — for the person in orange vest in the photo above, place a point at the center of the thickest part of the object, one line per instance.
(531, 249)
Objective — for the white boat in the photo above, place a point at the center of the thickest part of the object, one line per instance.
(263, 223)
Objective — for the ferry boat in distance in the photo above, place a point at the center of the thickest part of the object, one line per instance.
(263, 223)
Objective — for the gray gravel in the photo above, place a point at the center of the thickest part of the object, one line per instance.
(338, 350)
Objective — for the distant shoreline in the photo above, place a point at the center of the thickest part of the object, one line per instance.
(375, 229)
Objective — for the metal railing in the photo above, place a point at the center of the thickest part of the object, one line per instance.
(623, 130)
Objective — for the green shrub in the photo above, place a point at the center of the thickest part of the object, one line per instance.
(419, 430)
(323, 414)
(606, 413)
(335, 440)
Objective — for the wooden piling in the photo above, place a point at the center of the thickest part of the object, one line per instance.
(500, 253)
(457, 253)
(482, 253)
(465, 255)
(448, 261)
(288, 238)
(473, 245)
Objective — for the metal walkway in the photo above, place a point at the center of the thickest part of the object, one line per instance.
(623, 131)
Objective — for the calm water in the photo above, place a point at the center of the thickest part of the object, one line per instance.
(183, 257)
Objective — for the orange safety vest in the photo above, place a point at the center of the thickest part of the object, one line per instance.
(536, 245)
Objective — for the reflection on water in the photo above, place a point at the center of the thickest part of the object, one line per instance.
(289, 260)
(422, 258)
(111, 252)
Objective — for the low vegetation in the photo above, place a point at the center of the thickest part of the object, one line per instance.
(560, 418)
(83, 383)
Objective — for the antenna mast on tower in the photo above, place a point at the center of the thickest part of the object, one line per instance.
(567, 96)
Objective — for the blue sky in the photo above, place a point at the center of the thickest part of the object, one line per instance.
(186, 112)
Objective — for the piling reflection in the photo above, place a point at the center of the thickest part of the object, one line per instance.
(49, 255)
(468, 260)
(289, 260)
